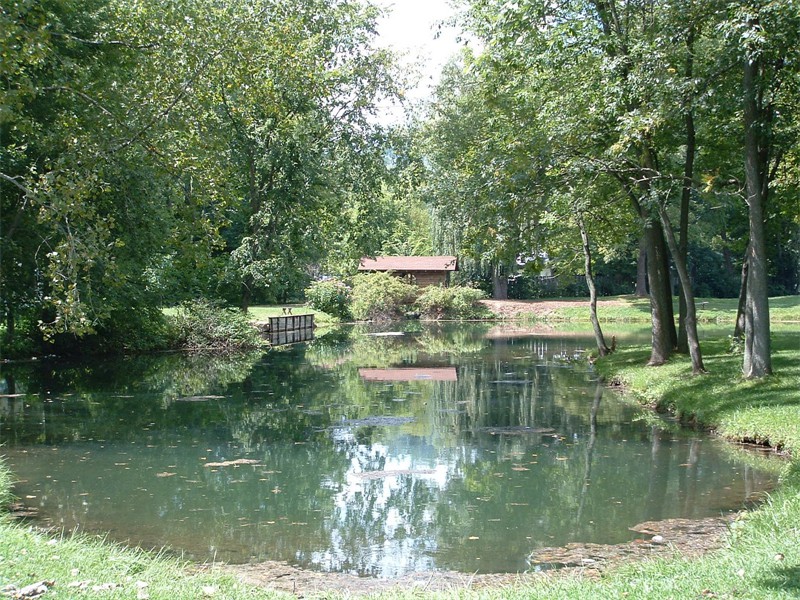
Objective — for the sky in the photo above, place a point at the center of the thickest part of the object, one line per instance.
(410, 28)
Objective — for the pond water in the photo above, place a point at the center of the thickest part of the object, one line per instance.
(458, 447)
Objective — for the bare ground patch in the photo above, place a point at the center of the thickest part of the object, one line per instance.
(511, 309)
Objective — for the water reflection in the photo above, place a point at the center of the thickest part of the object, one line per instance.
(442, 448)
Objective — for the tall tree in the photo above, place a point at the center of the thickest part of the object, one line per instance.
(763, 37)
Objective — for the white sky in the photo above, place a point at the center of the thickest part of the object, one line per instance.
(410, 28)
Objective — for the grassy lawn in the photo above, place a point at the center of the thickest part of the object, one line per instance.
(761, 559)
(630, 309)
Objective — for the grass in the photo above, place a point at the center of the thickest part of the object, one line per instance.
(631, 309)
(762, 411)
(761, 559)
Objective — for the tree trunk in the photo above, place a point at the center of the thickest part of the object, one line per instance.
(641, 269)
(662, 316)
(686, 192)
(665, 337)
(738, 330)
(602, 349)
(690, 321)
(8, 342)
(246, 294)
(499, 283)
(757, 353)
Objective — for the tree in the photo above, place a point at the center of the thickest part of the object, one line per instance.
(137, 132)
(763, 37)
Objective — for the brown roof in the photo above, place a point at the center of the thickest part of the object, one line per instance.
(409, 263)
(410, 374)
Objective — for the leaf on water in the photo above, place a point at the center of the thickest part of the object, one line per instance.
(232, 463)
(383, 474)
(199, 398)
(165, 474)
(473, 537)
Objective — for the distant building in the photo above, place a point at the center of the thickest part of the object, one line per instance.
(418, 270)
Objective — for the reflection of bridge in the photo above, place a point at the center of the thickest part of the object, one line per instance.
(410, 374)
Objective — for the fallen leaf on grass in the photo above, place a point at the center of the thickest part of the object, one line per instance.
(34, 590)
(105, 587)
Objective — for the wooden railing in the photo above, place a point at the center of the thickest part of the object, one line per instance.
(290, 329)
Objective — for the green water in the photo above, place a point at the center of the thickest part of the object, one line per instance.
(460, 447)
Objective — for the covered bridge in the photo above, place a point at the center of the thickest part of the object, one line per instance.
(419, 270)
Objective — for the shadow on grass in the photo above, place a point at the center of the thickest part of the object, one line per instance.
(722, 397)
(784, 579)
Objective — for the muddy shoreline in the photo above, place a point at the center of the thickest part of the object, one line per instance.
(665, 538)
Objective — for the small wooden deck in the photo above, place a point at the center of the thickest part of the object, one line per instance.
(290, 329)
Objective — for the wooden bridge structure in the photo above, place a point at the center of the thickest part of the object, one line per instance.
(289, 329)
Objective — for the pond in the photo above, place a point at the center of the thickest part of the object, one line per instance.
(442, 447)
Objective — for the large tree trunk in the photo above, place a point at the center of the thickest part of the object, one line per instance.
(665, 337)
(499, 283)
(757, 353)
(661, 311)
(690, 321)
(602, 349)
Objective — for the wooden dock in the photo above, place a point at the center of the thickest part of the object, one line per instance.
(290, 329)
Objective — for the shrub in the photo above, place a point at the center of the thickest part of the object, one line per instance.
(202, 326)
(452, 303)
(381, 297)
(330, 296)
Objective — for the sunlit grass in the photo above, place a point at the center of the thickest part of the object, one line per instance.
(631, 309)
(77, 567)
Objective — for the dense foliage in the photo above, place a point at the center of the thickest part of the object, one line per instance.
(455, 303)
(153, 153)
(381, 297)
(200, 326)
(331, 296)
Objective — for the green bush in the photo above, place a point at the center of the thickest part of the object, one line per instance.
(381, 297)
(452, 303)
(201, 326)
(331, 296)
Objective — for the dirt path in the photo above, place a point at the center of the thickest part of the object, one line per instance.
(510, 309)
